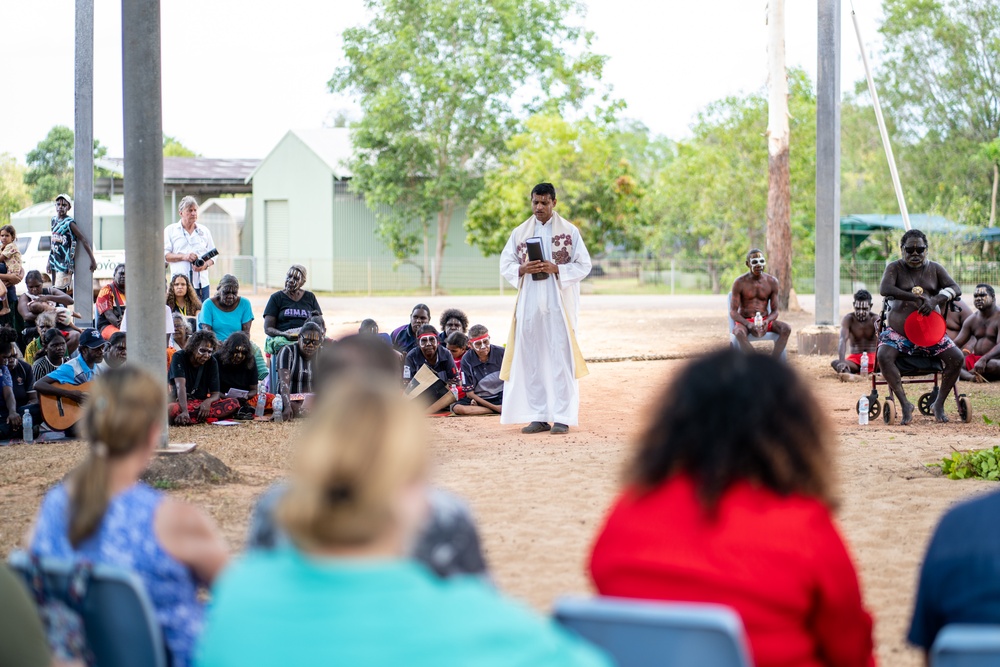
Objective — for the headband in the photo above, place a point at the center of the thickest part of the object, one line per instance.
(427, 335)
(476, 340)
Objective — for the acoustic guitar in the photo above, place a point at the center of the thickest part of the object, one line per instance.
(58, 412)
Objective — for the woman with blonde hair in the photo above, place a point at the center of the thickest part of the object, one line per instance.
(102, 513)
(728, 499)
(343, 592)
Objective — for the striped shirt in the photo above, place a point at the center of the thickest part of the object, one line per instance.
(300, 369)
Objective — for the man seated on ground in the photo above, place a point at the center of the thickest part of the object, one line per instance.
(453, 320)
(43, 323)
(481, 376)
(295, 368)
(956, 317)
(753, 293)
(76, 371)
(915, 285)
(982, 361)
(858, 329)
(116, 352)
(194, 376)
(110, 305)
(429, 352)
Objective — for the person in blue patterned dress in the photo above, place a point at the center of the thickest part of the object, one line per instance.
(102, 513)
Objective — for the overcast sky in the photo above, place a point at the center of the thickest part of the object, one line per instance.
(238, 74)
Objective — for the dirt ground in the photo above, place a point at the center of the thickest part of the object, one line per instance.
(539, 499)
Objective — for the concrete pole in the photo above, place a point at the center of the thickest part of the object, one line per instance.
(83, 158)
(144, 194)
(828, 164)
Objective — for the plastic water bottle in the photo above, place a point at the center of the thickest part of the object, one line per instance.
(758, 321)
(864, 364)
(28, 426)
(261, 400)
(406, 372)
(863, 411)
(277, 407)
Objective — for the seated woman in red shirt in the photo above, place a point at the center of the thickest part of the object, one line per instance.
(728, 500)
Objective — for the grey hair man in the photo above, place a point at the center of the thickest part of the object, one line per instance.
(185, 245)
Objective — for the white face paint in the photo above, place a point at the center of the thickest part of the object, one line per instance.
(862, 310)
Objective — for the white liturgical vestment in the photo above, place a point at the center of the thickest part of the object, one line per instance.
(542, 361)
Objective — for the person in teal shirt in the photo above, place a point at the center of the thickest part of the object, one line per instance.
(343, 593)
(227, 312)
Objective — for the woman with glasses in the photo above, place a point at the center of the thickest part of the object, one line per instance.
(194, 377)
(481, 376)
(17, 380)
(295, 368)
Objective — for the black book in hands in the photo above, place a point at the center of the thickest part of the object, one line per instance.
(535, 254)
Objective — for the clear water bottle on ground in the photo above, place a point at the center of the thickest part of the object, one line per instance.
(277, 407)
(863, 411)
(864, 364)
(261, 400)
(28, 426)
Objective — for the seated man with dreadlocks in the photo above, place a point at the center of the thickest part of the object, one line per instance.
(917, 291)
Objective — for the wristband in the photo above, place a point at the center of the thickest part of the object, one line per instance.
(948, 292)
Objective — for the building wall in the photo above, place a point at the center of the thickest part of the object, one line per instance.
(294, 173)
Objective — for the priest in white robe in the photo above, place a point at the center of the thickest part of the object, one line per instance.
(542, 362)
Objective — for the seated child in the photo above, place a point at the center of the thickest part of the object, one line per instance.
(458, 343)
(481, 375)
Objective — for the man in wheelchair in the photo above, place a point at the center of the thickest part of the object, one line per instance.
(917, 292)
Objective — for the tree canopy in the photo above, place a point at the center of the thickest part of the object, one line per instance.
(50, 164)
(14, 194)
(596, 186)
(172, 147)
(443, 84)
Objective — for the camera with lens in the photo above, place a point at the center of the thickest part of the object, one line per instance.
(200, 262)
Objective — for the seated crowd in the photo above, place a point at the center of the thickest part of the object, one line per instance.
(357, 545)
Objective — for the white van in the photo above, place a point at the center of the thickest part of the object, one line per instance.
(35, 246)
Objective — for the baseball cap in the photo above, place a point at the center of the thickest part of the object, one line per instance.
(91, 338)
(66, 197)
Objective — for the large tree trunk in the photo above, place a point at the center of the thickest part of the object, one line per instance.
(779, 212)
(444, 221)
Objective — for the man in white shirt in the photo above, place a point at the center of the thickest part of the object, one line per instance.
(185, 242)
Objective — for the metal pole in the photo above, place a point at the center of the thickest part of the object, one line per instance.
(827, 261)
(144, 195)
(433, 280)
(881, 126)
(369, 276)
(83, 157)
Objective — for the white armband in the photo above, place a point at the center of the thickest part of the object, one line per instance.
(948, 292)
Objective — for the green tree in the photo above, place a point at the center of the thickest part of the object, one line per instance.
(991, 150)
(14, 194)
(708, 205)
(596, 186)
(940, 79)
(442, 84)
(172, 147)
(50, 164)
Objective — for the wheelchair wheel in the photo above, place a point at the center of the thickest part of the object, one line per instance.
(889, 412)
(964, 411)
(925, 402)
(874, 408)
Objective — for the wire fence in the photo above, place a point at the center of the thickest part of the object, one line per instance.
(417, 276)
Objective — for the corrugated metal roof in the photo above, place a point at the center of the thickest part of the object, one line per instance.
(48, 209)
(332, 145)
(194, 169)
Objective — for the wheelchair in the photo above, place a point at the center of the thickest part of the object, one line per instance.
(912, 370)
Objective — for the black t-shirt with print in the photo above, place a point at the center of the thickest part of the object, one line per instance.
(288, 313)
(197, 385)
